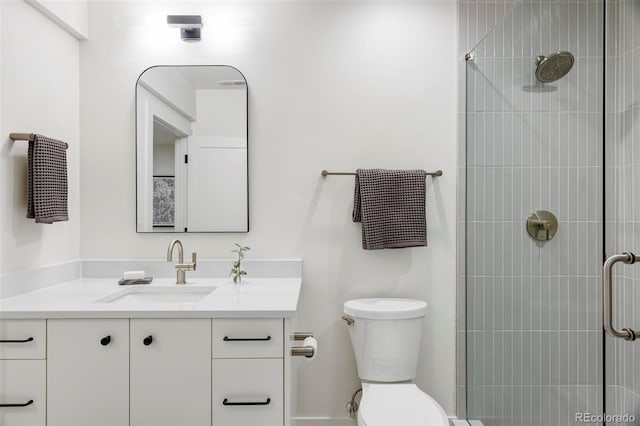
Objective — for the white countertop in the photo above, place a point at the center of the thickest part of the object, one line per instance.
(253, 298)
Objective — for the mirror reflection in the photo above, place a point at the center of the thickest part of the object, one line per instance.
(191, 149)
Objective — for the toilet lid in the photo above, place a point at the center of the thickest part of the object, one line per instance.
(399, 405)
(389, 308)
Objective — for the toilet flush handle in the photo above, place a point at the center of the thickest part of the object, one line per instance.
(348, 319)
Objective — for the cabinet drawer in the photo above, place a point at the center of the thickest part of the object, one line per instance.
(247, 338)
(247, 392)
(23, 339)
(22, 381)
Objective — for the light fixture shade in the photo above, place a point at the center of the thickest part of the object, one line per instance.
(189, 26)
(184, 21)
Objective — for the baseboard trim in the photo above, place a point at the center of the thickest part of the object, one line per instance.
(323, 421)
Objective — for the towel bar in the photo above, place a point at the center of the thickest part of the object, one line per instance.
(325, 173)
(27, 137)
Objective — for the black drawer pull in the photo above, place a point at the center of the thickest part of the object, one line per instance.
(105, 340)
(147, 340)
(29, 339)
(18, 405)
(226, 402)
(247, 339)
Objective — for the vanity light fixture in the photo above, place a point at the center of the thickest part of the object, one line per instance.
(189, 26)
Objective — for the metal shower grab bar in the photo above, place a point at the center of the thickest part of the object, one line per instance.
(607, 302)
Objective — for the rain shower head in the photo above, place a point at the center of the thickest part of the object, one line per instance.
(553, 67)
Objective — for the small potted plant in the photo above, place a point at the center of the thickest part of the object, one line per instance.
(236, 271)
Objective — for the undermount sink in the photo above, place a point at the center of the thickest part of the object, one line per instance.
(154, 295)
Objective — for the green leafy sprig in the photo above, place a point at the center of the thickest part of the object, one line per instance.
(236, 270)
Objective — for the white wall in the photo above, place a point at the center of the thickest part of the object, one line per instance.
(40, 94)
(172, 88)
(70, 15)
(164, 160)
(221, 113)
(335, 85)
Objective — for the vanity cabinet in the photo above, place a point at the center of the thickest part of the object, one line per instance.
(170, 372)
(88, 372)
(144, 372)
(23, 372)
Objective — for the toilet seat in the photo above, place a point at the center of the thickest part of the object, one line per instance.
(392, 404)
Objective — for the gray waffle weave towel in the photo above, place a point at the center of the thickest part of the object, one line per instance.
(391, 206)
(47, 191)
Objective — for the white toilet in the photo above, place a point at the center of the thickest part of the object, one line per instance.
(385, 334)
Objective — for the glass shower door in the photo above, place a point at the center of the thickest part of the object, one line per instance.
(622, 208)
(534, 339)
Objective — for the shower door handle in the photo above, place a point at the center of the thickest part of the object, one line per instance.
(607, 310)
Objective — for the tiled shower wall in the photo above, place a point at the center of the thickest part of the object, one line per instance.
(534, 339)
(623, 200)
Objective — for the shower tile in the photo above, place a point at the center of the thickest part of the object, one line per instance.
(460, 252)
(517, 83)
(461, 361)
(478, 149)
(628, 26)
(517, 319)
(504, 138)
(589, 17)
(573, 355)
(507, 84)
(572, 28)
(634, 65)
(634, 138)
(628, 204)
(573, 126)
(508, 42)
(594, 138)
(612, 28)
(463, 27)
(583, 193)
(634, 14)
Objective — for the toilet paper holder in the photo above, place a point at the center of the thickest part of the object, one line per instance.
(306, 351)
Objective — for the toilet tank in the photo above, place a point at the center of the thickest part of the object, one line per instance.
(386, 337)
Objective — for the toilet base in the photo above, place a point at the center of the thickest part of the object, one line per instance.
(398, 404)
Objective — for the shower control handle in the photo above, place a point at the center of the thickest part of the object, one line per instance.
(542, 225)
(607, 302)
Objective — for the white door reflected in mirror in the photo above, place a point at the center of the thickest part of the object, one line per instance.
(191, 149)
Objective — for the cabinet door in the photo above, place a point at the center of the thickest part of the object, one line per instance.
(88, 372)
(170, 372)
(22, 392)
(248, 392)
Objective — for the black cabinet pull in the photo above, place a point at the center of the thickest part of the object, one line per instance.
(147, 340)
(17, 405)
(247, 339)
(226, 402)
(105, 340)
(29, 339)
